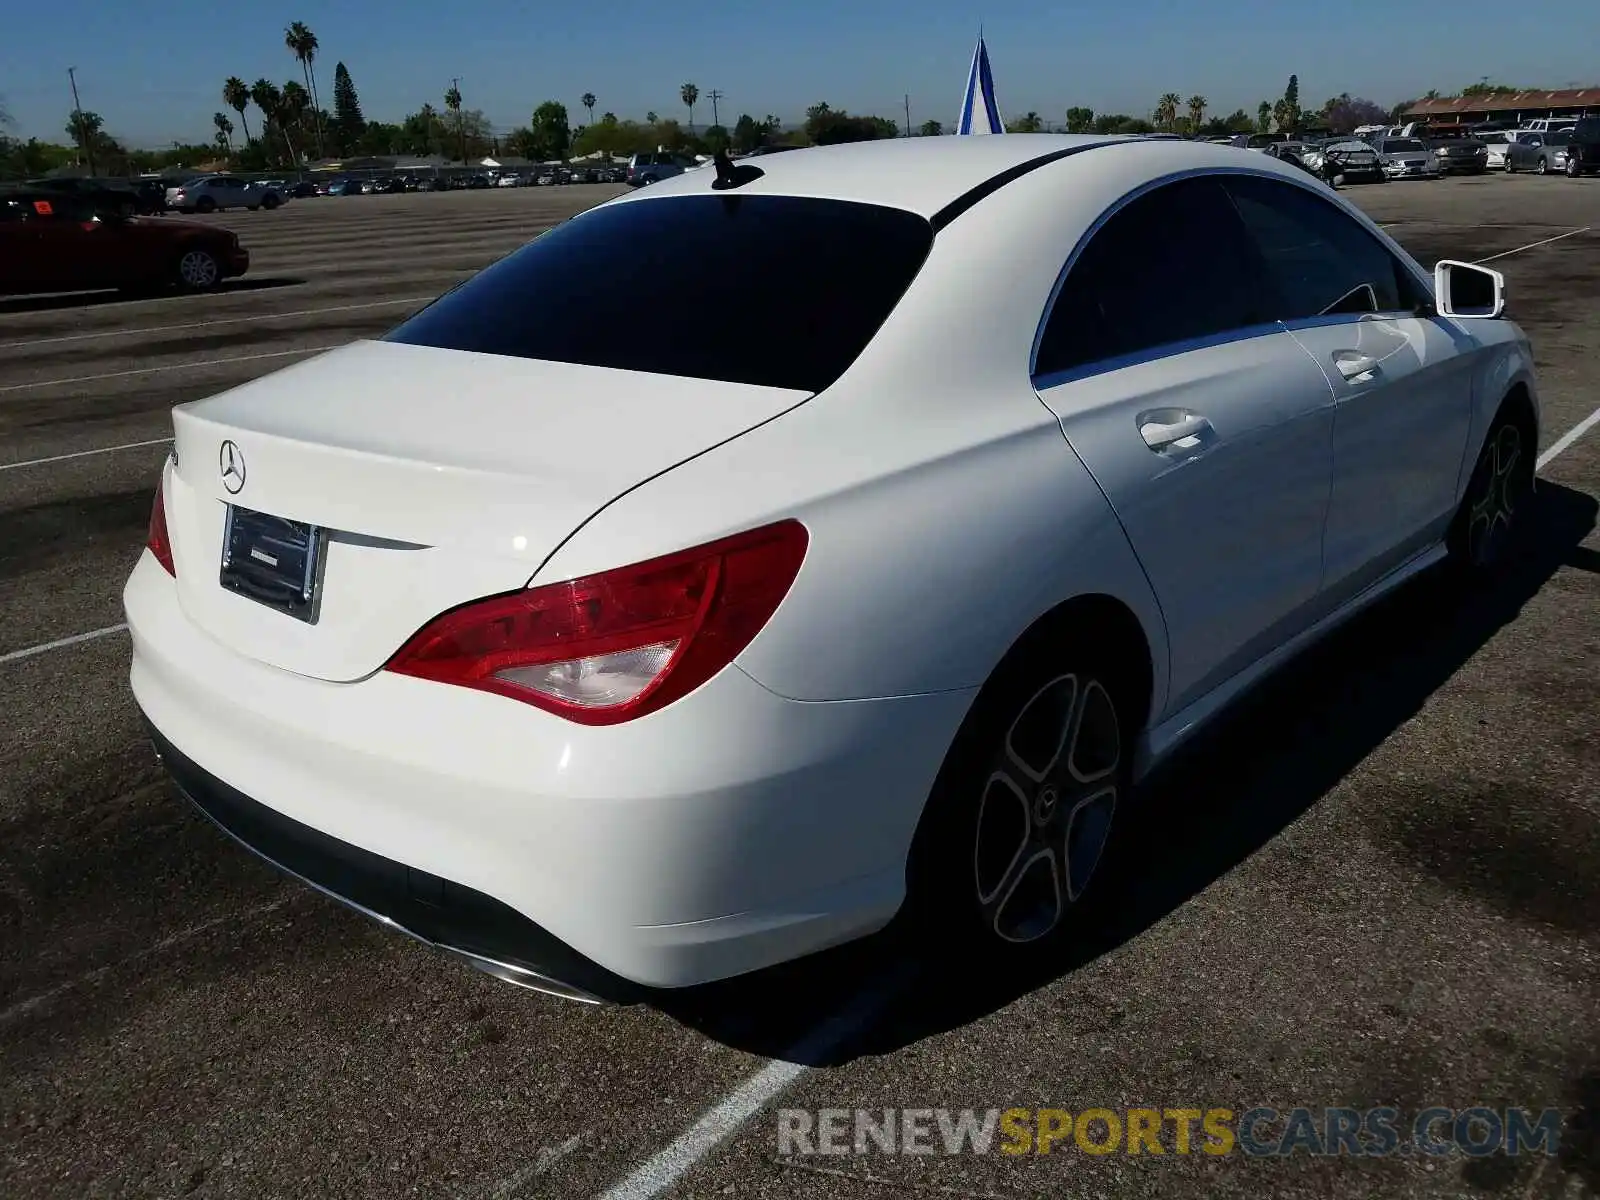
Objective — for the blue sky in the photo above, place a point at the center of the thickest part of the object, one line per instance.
(154, 72)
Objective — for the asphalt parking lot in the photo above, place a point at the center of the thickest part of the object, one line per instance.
(1379, 883)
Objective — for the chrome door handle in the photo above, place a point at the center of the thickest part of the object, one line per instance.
(1159, 435)
(1352, 364)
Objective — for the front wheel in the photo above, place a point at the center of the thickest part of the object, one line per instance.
(1573, 171)
(205, 205)
(1497, 492)
(198, 271)
(1020, 817)
(1542, 167)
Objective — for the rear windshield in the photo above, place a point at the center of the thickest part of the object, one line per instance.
(1403, 144)
(778, 291)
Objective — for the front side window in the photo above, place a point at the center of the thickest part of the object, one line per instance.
(1171, 266)
(1320, 262)
(777, 291)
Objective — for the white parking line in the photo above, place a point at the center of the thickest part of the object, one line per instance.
(1567, 438)
(1534, 245)
(60, 643)
(658, 1173)
(277, 316)
(183, 366)
(54, 458)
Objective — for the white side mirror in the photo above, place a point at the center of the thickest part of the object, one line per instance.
(1465, 291)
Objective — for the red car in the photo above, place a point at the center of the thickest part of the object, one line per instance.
(51, 242)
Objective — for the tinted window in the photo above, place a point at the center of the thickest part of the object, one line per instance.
(1171, 265)
(1397, 145)
(1587, 130)
(1320, 260)
(1561, 137)
(779, 291)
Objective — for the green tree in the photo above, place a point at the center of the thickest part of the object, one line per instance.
(1080, 120)
(265, 96)
(1167, 110)
(932, 129)
(294, 105)
(1264, 117)
(716, 138)
(588, 101)
(224, 130)
(86, 129)
(348, 123)
(827, 126)
(1291, 105)
(689, 93)
(650, 118)
(1197, 112)
(551, 130)
(237, 96)
(302, 43)
(1027, 123)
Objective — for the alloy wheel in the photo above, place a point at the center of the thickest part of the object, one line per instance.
(1498, 486)
(197, 269)
(1541, 167)
(1045, 814)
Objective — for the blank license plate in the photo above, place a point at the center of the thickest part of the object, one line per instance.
(273, 561)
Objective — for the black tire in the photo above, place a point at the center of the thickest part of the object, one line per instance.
(205, 205)
(1511, 167)
(1002, 862)
(1542, 167)
(1573, 170)
(269, 202)
(1487, 523)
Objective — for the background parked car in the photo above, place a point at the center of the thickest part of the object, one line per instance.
(1349, 157)
(118, 196)
(1583, 147)
(1494, 142)
(644, 169)
(1407, 158)
(53, 241)
(1541, 153)
(1461, 156)
(345, 187)
(215, 193)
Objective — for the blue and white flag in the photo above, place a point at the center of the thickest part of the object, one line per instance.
(979, 113)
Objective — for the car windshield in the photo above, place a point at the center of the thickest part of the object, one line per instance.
(794, 289)
(1399, 144)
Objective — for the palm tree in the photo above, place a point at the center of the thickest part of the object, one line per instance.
(1197, 113)
(236, 96)
(688, 93)
(224, 130)
(293, 104)
(588, 101)
(452, 101)
(265, 95)
(1167, 110)
(303, 43)
(651, 118)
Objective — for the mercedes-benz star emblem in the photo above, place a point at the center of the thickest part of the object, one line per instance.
(230, 460)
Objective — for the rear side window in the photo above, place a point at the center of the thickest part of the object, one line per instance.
(778, 291)
(1321, 262)
(1171, 266)
(1587, 130)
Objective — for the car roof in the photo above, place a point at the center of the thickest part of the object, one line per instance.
(921, 174)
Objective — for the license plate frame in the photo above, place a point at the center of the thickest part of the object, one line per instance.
(273, 561)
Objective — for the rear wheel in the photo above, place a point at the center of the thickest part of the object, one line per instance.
(1542, 167)
(269, 202)
(1497, 493)
(1573, 170)
(1022, 812)
(205, 205)
(198, 271)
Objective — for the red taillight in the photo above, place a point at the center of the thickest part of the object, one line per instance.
(618, 645)
(156, 539)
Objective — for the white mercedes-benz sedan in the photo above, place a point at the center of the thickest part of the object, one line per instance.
(781, 547)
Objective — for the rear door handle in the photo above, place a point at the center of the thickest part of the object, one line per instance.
(1353, 364)
(1159, 435)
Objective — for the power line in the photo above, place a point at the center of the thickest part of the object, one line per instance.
(715, 95)
(77, 120)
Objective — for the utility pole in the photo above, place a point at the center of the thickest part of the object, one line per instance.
(77, 119)
(908, 114)
(461, 128)
(715, 96)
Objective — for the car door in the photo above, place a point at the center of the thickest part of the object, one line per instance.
(1402, 382)
(19, 246)
(1205, 424)
(63, 226)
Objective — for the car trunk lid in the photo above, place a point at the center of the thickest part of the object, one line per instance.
(440, 476)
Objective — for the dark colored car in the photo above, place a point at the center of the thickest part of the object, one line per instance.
(1461, 156)
(56, 242)
(116, 196)
(345, 187)
(1583, 147)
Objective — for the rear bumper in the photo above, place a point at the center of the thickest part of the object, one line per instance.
(728, 832)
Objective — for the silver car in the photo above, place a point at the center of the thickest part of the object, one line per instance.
(1348, 157)
(1407, 158)
(1541, 153)
(213, 193)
